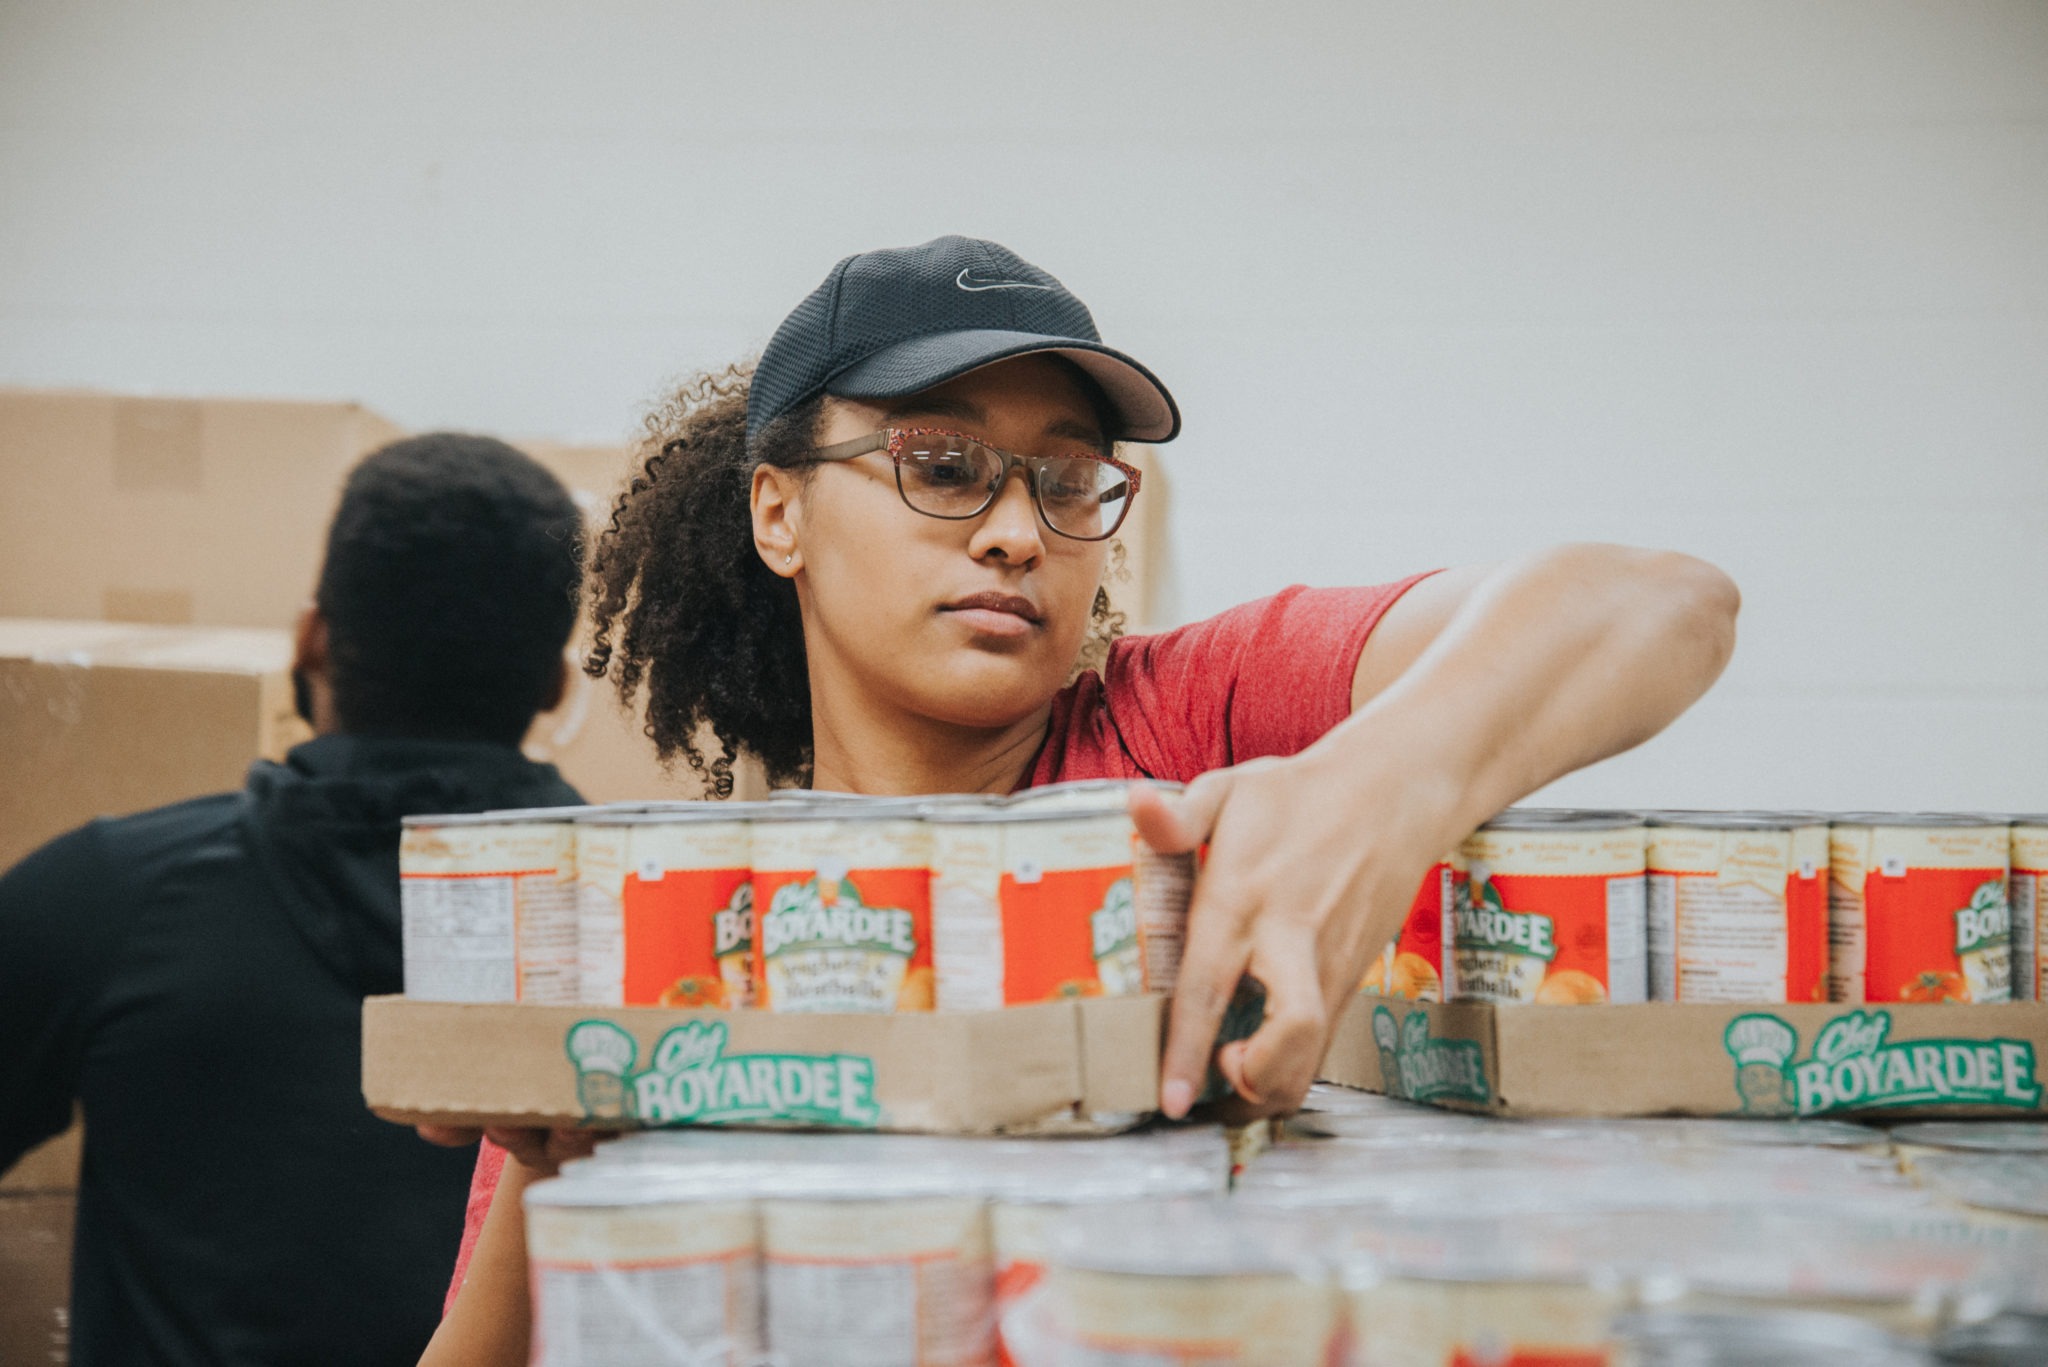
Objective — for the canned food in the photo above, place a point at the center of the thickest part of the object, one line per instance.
(487, 906)
(842, 907)
(1973, 1136)
(1917, 909)
(1738, 907)
(665, 907)
(2028, 898)
(1033, 905)
(1414, 965)
(2006, 1184)
(878, 1271)
(1189, 1282)
(1556, 913)
(636, 1271)
(1449, 1293)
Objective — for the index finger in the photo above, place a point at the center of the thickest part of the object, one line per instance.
(1217, 952)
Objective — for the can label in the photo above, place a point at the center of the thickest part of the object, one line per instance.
(2028, 896)
(1556, 918)
(1738, 915)
(1413, 965)
(843, 916)
(1919, 914)
(1070, 921)
(665, 914)
(488, 912)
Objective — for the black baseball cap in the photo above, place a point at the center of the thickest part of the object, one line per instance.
(903, 319)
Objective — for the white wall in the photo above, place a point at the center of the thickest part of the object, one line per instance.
(1763, 281)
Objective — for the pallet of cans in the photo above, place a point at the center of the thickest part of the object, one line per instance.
(1372, 1233)
(942, 963)
(1793, 963)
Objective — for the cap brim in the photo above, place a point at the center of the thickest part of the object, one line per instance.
(1144, 408)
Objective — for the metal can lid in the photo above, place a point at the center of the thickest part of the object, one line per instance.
(1570, 818)
(1917, 820)
(1215, 1237)
(2011, 1183)
(867, 809)
(671, 814)
(1758, 820)
(510, 816)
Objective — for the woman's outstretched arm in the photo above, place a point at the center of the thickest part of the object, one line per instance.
(1480, 686)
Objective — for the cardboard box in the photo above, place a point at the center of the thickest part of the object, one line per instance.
(35, 1280)
(170, 511)
(1675, 1058)
(102, 719)
(1080, 1064)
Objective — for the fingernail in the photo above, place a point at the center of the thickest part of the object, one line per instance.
(1175, 1096)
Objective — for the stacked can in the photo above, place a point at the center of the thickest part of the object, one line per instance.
(842, 907)
(1414, 964)
(2029, 903)
(1556, 913)
(1190, 1282)
(1917, 908)
(1738, 908)
(665, 905)
(1038, 898)
(487, 907)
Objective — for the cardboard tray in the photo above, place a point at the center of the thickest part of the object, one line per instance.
(1085, 1065)
(1673, 1058)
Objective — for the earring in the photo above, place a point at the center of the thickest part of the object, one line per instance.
(788, 558)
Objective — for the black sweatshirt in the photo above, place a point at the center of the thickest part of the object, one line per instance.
(194, 975)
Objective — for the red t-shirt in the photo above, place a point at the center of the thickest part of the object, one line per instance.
(1267, 678)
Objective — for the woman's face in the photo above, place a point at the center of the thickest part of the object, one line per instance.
(973, 623)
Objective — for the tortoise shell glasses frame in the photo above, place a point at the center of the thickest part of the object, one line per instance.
(956, 477)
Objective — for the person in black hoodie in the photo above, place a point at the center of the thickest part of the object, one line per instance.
(194, 975)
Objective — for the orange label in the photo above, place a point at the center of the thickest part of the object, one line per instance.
(1067, 933)
(858, 943)
(1519, 1357)
(1546, 938)
(1937, 935)
(1413, 965)
(1806, 942)
(688, 938)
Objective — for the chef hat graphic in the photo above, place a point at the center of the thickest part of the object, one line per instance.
(1764, 1040)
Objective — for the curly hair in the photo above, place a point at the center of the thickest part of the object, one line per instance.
(681, 603)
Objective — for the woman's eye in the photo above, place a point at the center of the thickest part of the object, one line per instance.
(945, 471)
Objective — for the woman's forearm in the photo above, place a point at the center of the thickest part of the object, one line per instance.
(1550, 664)
(490, 1323)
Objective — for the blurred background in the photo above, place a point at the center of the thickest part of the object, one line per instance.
(1761, 282)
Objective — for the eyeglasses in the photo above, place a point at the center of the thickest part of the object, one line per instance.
(951, 475)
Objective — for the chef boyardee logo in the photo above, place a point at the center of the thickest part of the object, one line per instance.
(1489, 924)
(801, 916)
(692, 1080)
(1986, 921)
(1853, 1067)
(732, 930)
(1115, 926)
(1414, 1065)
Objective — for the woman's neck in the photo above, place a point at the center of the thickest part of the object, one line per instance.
(856, 749)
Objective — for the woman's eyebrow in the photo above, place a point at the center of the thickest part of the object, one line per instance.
(960, 410)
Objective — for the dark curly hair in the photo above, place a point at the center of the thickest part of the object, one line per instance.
(681, 603)
(449, 588)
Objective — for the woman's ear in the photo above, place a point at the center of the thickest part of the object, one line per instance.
(774, 499)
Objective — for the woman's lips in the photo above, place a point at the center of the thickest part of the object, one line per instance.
(995, 614)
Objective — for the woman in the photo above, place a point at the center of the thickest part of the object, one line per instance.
(874, 562)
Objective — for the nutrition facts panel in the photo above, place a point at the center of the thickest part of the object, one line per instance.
(460, 937)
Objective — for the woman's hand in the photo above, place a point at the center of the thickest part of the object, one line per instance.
(541, 1151)
(1306, 879)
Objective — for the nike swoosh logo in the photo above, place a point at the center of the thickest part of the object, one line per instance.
(972, 279)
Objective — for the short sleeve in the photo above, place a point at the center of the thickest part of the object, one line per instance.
(1267, 678)
(483, 1189)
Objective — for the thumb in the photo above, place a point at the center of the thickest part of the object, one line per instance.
(1179, 823)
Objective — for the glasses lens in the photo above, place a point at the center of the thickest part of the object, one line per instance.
(1081, 497)
(947, 476)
